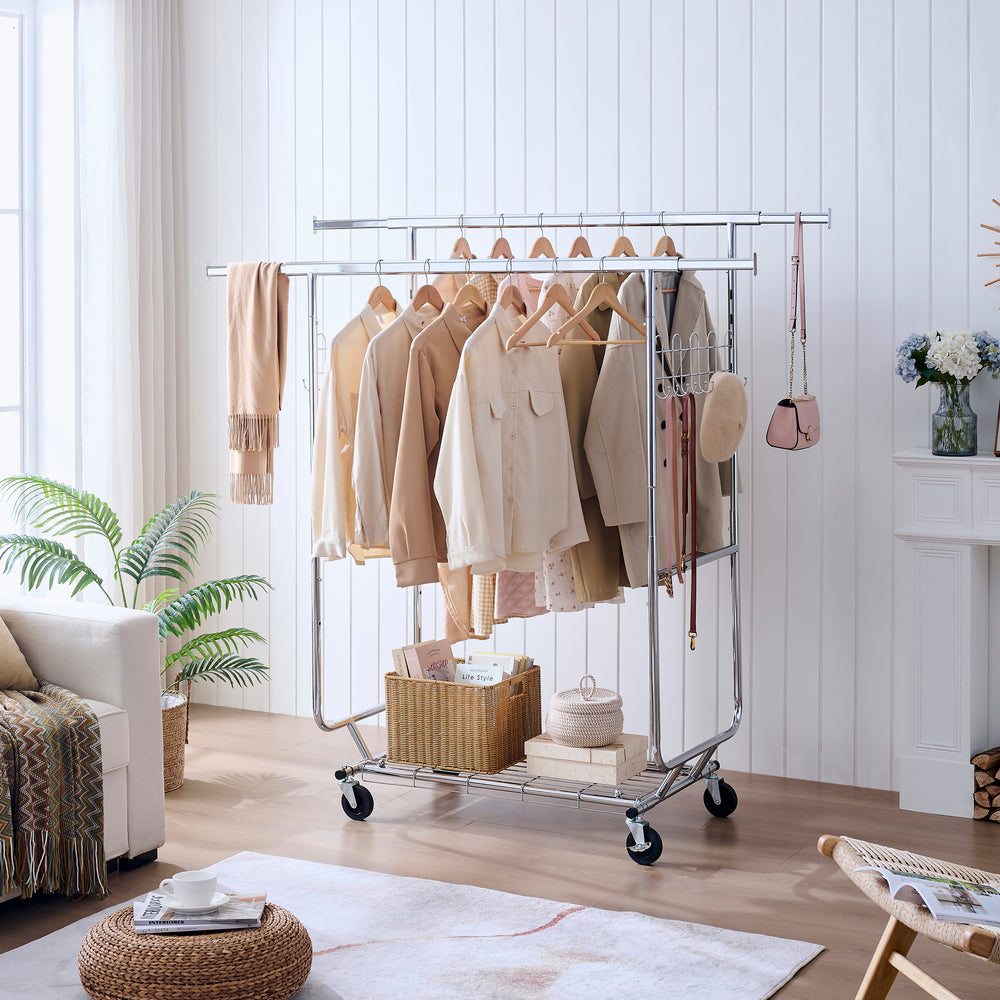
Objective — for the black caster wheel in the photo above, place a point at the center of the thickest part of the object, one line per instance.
(365, 803)
(728, 802)
(652, 852)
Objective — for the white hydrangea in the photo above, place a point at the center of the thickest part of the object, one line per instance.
(954, 352)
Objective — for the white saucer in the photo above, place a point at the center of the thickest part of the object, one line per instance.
(217, 900)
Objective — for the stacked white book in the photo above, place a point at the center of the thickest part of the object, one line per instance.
(155, 914)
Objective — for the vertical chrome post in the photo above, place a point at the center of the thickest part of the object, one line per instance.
(417, 602)
(653, 563)
(734, 521)
(317, 576)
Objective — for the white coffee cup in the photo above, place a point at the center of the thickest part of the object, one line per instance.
(191, 888)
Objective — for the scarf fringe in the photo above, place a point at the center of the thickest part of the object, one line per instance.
(251, 487)
(253, 431)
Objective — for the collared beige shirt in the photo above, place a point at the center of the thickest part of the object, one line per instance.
(380, 413)
(332, 495)
(417, 534)
(505, 478)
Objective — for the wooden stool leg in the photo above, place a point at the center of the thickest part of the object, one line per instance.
(896, 938)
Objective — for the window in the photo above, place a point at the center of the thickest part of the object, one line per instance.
(13, 256)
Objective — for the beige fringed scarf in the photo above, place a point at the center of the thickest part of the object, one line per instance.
(256, 308)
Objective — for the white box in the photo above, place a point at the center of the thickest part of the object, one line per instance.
(608, 765)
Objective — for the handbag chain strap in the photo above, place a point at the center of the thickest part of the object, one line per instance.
(797, 313)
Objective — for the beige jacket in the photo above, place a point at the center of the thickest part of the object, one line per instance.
(616, 432)
(505, 478)
(332, 495)
(380, 412)
(417, 534)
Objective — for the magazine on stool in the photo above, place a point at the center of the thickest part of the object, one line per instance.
(949, 899)
(154, 915)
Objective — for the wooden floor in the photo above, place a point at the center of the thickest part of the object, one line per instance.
(265, 783)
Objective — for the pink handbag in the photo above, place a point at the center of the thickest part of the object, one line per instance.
(795, 422)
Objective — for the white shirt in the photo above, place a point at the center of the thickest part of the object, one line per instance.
(505, 478)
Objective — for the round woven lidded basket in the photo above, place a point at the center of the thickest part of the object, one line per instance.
(270, 962)
(174, 711)
(587, 717)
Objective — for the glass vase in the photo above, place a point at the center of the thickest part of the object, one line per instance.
(954, 423)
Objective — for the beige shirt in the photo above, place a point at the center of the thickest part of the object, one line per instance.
(380, 412)
(505, 478)
(332, 495)
(417, 534)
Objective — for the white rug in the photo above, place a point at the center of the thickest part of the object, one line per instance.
(377, 937)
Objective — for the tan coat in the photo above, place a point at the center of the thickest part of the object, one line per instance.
(380, 413)
(505, 477)
(417, 534)
(616, 432)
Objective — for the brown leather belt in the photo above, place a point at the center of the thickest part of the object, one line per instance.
(690, 501)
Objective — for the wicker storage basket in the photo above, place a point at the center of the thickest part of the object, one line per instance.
(587, 717)
(174, 738)
(462, 727)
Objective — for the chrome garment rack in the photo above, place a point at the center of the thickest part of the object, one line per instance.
(661, 779)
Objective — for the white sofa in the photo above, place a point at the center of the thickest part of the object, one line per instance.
(110, 657)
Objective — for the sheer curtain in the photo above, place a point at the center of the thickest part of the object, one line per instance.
(132, 314)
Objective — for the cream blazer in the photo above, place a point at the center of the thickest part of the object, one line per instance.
(332, 495)
(505, 477)
(615, 440)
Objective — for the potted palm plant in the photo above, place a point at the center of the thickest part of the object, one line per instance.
(166, 550)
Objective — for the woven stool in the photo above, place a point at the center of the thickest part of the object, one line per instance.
(270, 962)
(907, 920)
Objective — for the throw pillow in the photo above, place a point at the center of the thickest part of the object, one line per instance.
(15, 674)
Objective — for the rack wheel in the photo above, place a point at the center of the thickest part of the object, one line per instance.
(652, 852)
(728, 803)
(366, 803)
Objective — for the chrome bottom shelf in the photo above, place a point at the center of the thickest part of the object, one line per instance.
(639, 793)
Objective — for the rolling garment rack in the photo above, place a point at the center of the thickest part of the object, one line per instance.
(660, 779)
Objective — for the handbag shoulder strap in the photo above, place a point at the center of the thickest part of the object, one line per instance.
(797, 312)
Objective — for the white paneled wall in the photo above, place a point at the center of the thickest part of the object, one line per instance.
(882, 111)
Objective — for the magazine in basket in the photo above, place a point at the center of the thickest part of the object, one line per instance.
(948, 899)
(152, 915)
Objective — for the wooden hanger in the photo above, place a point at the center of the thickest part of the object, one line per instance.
(381, 297)
(427, 295)
(555, 295)
(603, 294)
(665, 247)
(622, 246)
(501, 248)
(511, 296)
(462, 249)
(542, 247)
(468, 295)
(580, 247)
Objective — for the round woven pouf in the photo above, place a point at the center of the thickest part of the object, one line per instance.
(270, 962)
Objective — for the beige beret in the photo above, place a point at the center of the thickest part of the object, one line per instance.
(723, 417)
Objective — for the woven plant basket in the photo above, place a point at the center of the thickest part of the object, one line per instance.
(174, 737)
(587, 717)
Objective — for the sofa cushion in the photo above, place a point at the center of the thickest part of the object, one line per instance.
(113, 723)
(15, 674)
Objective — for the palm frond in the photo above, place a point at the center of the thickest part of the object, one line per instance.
(59, 509)
(160, 601)
(189, 610)
(43, 560)
(239, 671)
(168, 544)
(230, 640)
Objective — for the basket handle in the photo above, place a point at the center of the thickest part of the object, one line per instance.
(588, 687)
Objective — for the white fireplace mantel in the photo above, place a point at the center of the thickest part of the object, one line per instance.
(947, 514)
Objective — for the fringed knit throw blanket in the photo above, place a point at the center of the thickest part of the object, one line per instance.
(256, 311)
(51, 794)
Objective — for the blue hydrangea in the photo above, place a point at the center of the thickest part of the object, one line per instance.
(989, 352)
(906, 355)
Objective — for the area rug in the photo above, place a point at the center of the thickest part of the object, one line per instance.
(382, 937)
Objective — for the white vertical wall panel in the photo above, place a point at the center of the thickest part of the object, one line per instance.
(881, 110)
